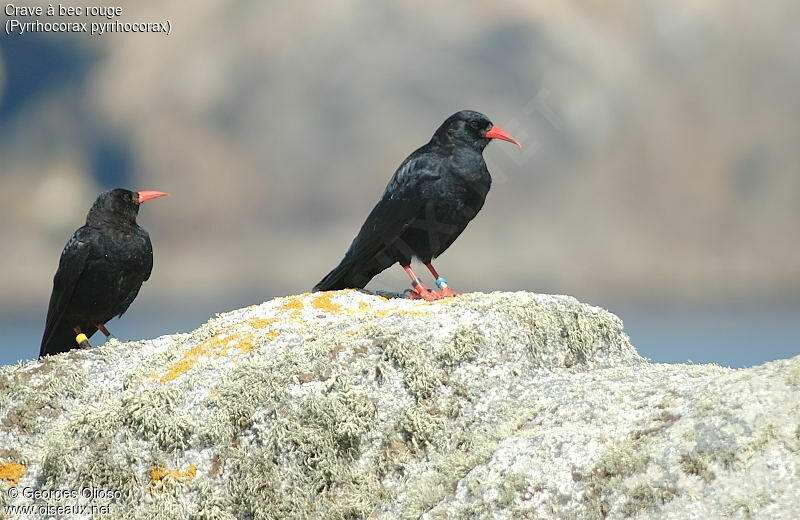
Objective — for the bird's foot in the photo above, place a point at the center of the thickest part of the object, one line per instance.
(428, 296)
(420, 292)
(448, 293)
(441, 283)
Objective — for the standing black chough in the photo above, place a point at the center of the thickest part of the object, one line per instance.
(431, 198)
(101, 270)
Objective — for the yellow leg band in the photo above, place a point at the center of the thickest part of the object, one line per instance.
(80, 338)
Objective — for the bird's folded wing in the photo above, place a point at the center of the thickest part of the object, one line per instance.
(385, 223)
(137, 286)
(399, 207)
(70, 268)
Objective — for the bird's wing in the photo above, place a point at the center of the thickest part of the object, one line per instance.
(70, 267)
(148, 257)
(137, 285)
(400, 205)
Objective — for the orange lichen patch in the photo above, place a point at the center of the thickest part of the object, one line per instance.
(272, 334)
(363, 306)
(261, 323)
(11, 472)
(245, 345)
(324, 302)
(351, 332)
(384, 314)
(159, 473)
(214, 347)
(293, 304)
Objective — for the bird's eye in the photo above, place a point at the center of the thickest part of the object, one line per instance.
(474, 124)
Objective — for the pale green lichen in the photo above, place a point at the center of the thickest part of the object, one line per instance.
(793, 373)
(740, 453)
(152, 413)
(647, 496)
(767, 433)
(419, 373)
(109, 465)
(212, 502)
(467, 342)
(697, 464)
(41, 395)
(511, 486)
(312, 442)
(4, 498)
(561, 332)
(158, 506)
(468, 449)
(616, 461)
(250, 386)
(96, 420)
(58, 457)
(422, 426)
(325, 427)
(156, 363)
(747, 506)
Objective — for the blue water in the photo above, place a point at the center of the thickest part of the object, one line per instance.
(729, 338)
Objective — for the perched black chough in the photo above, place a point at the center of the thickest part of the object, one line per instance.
(101, 270)
(429, 201)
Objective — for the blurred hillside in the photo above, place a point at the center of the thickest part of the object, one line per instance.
(660, 161)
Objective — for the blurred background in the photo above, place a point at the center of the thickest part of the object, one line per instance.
(659, 175)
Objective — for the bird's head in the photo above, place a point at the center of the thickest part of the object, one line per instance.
(471, 128)
(120, 205)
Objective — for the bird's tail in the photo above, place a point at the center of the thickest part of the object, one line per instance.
(62, 340)
(353, 275)
(343, 276)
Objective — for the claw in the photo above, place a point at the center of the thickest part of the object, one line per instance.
(448, 293)
(425, 294)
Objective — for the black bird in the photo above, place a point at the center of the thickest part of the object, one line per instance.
(429, 201)
(100, 272)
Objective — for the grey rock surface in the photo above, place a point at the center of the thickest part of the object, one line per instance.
(350, 405)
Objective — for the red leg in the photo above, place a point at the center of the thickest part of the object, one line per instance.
(420, 292)
(102, 328)
(441, 283)
(80, 338)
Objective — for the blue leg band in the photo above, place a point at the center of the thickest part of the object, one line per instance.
(441, 283)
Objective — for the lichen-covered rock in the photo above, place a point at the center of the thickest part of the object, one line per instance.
(349, 405)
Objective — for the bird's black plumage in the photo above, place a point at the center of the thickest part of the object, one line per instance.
(101, 270)
(430, 199)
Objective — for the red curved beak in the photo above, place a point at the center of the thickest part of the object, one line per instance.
(496, 132)
(147, 195)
